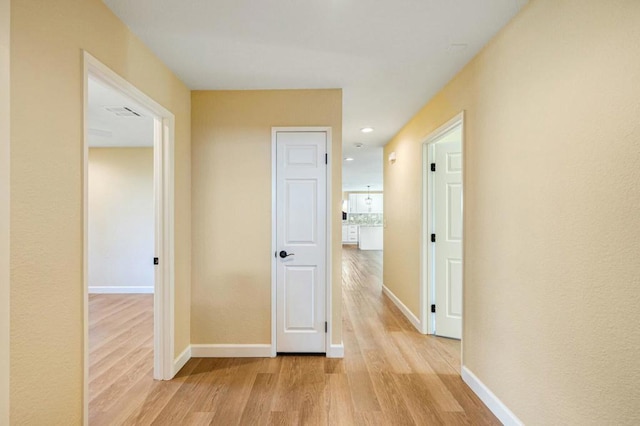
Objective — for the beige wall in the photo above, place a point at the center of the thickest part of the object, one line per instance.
(4, 211)
(47, 39)
(121, 219)
(552, 221)
(231, 206)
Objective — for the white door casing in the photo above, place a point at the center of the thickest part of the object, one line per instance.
(301, 232)
(448, 229)
(164, 367)
(442, 215)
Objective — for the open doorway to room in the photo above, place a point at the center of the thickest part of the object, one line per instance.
(121, 243)
(128, 240)
(362, 198)
(442, 233)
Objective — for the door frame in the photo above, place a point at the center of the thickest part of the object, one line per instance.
(427, 253)
(274, 248)
(163, 176)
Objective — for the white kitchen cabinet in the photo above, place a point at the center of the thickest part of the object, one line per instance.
(363, 207)
(376, 203)
(353, 203)
(354, 233)
(358, 203)
(350, 234)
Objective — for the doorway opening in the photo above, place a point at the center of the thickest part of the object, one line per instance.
(362, 197)
(128, 229)
(442, 231)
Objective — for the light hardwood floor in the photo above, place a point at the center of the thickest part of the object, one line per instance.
(391, 375)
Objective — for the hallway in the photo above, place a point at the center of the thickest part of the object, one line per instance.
(410, 378)
(390, 375)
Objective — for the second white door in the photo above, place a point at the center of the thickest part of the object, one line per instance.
(301, 200)
(447, 227)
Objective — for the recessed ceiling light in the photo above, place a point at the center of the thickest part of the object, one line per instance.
(366, 129)
(348, 159)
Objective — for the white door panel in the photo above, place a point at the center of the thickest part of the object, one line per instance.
(454, 289)
(454, 212)
(301, 202)
(301, 212)
(447, 223)
(299, 287)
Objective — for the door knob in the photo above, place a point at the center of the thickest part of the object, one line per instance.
(284, 254)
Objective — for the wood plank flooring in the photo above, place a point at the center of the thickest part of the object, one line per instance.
(391, 375)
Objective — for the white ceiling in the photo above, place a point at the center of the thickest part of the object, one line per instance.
(389, 56)
(365, 169)
(106, 129)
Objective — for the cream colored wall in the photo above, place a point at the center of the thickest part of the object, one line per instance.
(47, 39)
(4, 211)
(552, 223)
(121, 218)
(231, 206)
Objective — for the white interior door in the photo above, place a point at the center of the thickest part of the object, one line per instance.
(447, 227)
(301, 200)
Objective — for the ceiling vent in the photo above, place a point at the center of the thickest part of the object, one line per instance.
(123, 111)
(101, 133)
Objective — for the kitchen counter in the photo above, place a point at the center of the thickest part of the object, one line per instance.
(370, 237)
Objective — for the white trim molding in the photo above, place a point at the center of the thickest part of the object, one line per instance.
(163, 150)
(335, 351)
(231, 351)
(181, 360)
(494, 404)
(163, 306)
(112, 289)
(427, 285)
(413, 319)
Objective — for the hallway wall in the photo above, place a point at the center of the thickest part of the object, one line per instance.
(231, 156)
(552, 223)
(121, 241)
(47, 39)
(4, 210)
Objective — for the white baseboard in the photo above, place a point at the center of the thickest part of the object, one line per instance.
(237, 351)
(181, 360)
(494, 404)
(336, 351)
(231, 351)
(107, 289)
(406, 311)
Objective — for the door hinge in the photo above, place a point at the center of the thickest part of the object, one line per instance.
(433, 309)
(433, 167)
(156, 261)
(433, 238)
(326, 327)
(326, 158)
